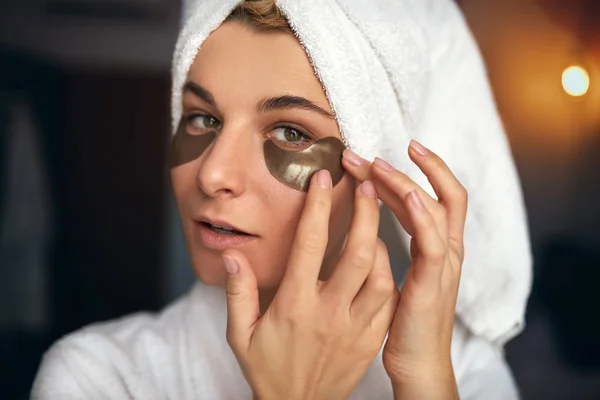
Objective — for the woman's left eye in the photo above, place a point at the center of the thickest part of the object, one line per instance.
(286, 136)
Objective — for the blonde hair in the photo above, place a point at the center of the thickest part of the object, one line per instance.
(262, 15)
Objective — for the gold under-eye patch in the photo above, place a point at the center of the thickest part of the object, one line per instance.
(295, 168)
(185, 147)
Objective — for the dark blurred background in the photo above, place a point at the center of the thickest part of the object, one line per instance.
(89, 232)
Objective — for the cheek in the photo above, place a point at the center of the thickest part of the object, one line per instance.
(282, 207)
(285, 210)
(182, 182)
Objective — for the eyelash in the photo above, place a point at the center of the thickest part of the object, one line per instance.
(305, 137)
(304, 141)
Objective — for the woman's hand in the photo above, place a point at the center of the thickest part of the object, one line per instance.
(417, 353)
(317, 338)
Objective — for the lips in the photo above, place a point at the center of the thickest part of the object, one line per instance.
(220, 235)
(224, 229)
(222, 226)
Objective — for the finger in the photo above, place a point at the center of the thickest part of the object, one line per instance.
(358, 256)
(310, 242)
(242, 300)
(377, 289)
(363, 170)
(393, 186)
(449, 190)
(356, 165)
(430, 247)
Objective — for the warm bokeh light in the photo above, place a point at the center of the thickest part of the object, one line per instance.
(575, 81)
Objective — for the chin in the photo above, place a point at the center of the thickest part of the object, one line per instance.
(211, 279)
(209, 269)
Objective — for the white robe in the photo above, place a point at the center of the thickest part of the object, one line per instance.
(181, 353)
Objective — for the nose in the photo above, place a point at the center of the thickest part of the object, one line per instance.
(224, 168)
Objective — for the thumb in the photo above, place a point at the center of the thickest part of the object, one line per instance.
(242, 299)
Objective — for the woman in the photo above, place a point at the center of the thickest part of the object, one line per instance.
(296, 295)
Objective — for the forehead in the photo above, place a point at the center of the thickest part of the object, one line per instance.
(238, 63)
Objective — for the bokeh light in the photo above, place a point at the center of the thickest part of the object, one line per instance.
(575, 81)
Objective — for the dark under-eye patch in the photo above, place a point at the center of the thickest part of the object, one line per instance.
(185, 147)
(295, 168)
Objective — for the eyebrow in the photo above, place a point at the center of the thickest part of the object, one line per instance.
(200, 92)
(291, 102)
(285, 102)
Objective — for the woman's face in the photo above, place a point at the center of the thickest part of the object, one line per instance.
(235, 88)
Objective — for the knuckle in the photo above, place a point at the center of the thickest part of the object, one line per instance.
(460, 193)
(436, 252)
(232, 340)
(382, 285)
(311, 242)
(291, 306)
(292, 319)
(235, 292)
(326, 334)
(321, 203)
(361, 259)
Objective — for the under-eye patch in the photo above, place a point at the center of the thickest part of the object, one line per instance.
(295, 168)
(186, 147)
(292, 168)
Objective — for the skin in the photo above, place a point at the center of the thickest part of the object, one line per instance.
(306, 313)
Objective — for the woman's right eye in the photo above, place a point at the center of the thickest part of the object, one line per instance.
(198, 124)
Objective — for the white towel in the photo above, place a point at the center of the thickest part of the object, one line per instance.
(396, 70)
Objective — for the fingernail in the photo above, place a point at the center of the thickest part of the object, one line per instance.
(415, 200)
(383, 165)
(324, 179)
(418, 147)
(353, 158)
(368, 189)
(231, 266)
